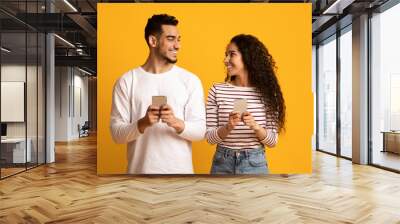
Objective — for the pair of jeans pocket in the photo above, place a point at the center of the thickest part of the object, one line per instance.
(257, 160)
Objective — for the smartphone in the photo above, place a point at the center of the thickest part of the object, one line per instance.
(240, 105)
(158, 101)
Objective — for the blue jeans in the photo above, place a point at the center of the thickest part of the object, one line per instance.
(233, 161)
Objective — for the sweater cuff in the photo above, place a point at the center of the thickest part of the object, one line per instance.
(270, 139)
(193, 131)
(213, 137)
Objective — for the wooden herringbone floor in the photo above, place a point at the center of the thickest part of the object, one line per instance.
(69, 191)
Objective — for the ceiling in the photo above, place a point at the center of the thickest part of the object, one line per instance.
(76, 22)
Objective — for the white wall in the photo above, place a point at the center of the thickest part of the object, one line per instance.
(13, 73)
(71, 94)
(81, 102)
(62, 80)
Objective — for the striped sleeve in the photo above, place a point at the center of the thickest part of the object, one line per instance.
(271, 138)
(212, 118)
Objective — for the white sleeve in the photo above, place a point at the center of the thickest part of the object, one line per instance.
(195, 116)
(123, 130)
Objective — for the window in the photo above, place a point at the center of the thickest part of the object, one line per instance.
(327, 95)
(385, 88)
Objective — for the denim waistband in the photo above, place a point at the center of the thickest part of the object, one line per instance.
(231, 152)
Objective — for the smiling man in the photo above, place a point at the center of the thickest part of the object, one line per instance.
(159, 137)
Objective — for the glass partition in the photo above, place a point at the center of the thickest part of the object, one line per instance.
(14, 145)
(22, 88)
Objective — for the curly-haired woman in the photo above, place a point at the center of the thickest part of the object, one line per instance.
(242, 137)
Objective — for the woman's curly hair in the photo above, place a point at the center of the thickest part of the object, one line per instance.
(261, 70)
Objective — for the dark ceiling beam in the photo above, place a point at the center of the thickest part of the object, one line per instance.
(15, 18)
(207, 1)
(344, 11)
(49, 22)
(321, 22)
(83, 61)
(84, 24)
(69, 23)
(91, 5)
(86, 51)
(331, 28)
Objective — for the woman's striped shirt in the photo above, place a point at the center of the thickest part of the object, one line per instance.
(220, 102)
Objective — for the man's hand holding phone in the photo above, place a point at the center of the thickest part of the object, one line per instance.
(167, 116)
(152, 116)
(160, 110)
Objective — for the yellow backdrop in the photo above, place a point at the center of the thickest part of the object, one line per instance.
(206, 30)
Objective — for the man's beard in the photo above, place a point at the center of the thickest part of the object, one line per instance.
(169, 60)
(164, 56)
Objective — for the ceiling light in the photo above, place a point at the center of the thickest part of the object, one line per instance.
(337, 7)
(84, 71)
(5, 50)
(65, 41)
(70, 5)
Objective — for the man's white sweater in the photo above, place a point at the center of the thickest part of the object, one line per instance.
(159, 150)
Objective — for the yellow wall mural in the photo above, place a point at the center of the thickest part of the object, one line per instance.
(206, 29)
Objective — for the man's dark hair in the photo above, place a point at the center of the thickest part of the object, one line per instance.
(153, 26)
